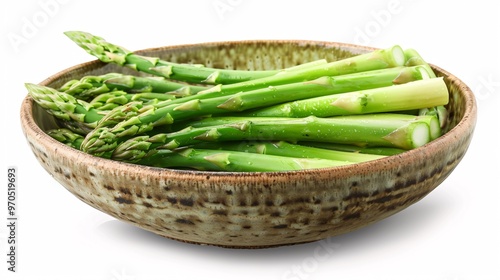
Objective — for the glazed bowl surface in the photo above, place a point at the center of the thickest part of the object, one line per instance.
(251, 209)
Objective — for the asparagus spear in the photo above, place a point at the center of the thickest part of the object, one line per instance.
(433, 122)
(379, 59)
(413, 95)
(90, 86)
(110, 53)
(233, 161)
(389, 130)
(355, 149)
(64, 106)
(283, 148)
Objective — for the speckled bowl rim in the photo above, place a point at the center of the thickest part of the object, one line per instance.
(380, 165)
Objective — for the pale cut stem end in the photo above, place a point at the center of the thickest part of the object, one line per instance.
(398, 55)
(420, 135)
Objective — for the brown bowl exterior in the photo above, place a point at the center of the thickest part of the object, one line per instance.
(252, 210)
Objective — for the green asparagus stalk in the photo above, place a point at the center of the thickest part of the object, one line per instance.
(355, 149)
(431, 119)
(110, 53)
(282, 148)
(89, 87)
(67, 137)
(379, 59)
(233, 161)
(413, 95)
(388, 130)
(64, 106)
(136, 84)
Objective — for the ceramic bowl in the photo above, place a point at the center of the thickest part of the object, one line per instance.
(252, 210)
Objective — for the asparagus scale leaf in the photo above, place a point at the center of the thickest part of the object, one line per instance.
(110, 100)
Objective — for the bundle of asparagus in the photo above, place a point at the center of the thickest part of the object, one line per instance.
(313, 115)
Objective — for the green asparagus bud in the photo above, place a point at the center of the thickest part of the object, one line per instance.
(67, 137)
(64, 106)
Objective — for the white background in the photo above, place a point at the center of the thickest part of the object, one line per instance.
(452, 234)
